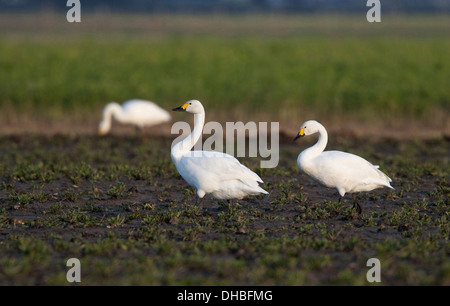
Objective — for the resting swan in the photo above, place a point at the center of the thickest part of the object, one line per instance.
(215, 173)
(346, 172)
(139, 113)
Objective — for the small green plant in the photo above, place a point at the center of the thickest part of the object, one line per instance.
(56, 208)
(4, 218)
(27, 198)
(79, 218)
(116, 221)
(21, 198)
(118, 191)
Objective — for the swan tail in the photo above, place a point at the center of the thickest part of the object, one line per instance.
(254, 186)
(250, 175)
(384, 179)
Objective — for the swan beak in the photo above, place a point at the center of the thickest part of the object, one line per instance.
(101, 133)
(181, 108)
(300, 134)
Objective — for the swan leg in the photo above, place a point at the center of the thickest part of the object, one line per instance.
(232, 204)
(139, 129)
(356, 205)
(198, 200)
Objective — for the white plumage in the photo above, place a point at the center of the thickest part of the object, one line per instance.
(215, 173)
(346, 172)
(140, 113)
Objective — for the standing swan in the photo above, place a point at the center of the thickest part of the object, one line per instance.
(344, 171)
(215, 173)
(136, 112)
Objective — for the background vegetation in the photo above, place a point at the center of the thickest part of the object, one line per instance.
(119, 204)
(289, 67)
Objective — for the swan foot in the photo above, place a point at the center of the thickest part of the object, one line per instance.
(356, 205)
(198, 201)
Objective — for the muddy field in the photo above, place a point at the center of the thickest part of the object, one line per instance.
(118, 204)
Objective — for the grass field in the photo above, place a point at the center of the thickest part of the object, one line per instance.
(117, 202)
(293, 67)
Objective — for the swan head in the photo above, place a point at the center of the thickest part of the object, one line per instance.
(110, 109)
(192, 106)
(103, 128)
(308, 128)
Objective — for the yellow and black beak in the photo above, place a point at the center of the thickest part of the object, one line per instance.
(300, 134)
(181, 108)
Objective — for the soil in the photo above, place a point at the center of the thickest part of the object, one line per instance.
(296, 206)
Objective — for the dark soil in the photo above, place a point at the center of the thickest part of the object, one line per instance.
(118, 204)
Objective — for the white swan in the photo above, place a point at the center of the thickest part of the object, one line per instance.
(215, 173)
(346, 172)
(139, 113)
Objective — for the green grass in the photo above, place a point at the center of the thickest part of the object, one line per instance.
(133, 230)
(118, 204)
(304, 71)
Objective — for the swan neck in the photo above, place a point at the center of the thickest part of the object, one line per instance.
(113, 110)
(188, 143)
(322, 141)
(319, 146)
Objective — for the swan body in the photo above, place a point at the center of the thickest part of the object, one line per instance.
(215, 173)
(346, 172)
(140, 113)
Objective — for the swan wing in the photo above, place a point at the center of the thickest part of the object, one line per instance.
(336, 168)
(144, 112)
(220, 174)
(222, 166)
